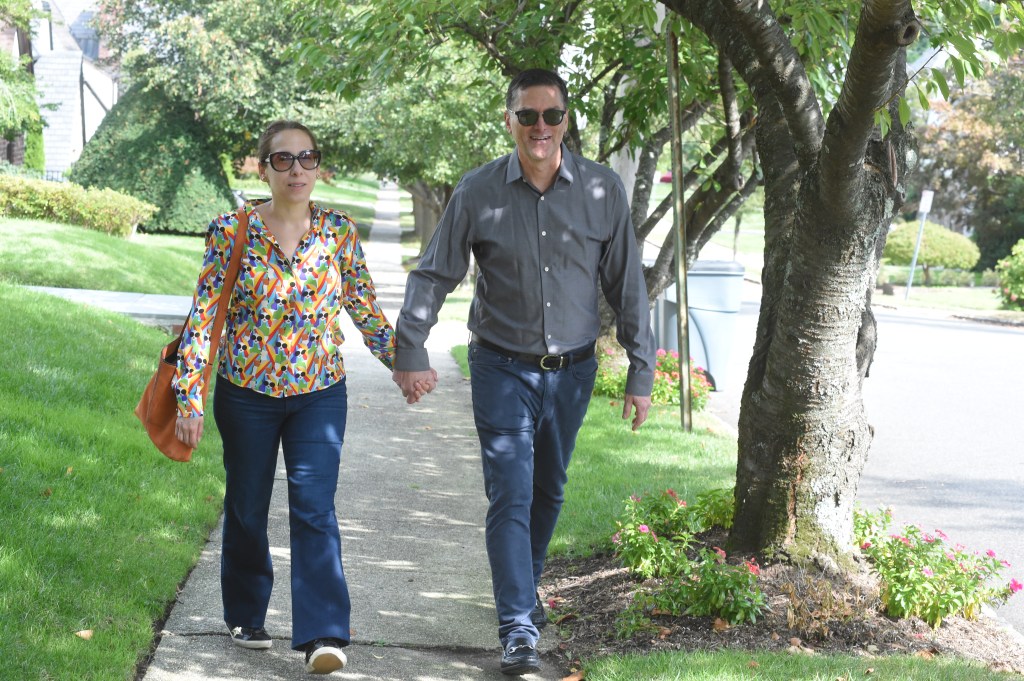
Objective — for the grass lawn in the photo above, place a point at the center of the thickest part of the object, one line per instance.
(98, 527)
(42, 253)
(39, 253)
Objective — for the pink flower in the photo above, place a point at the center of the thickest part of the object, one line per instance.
(941, 534)
(661, 352)
(866, 545)
(672, 493)
(900, 538)
(720, 552)
(927, 571)
(950, 555)
(929, 539)
(753, 567)
(633, 497)
(990, 553)
(609, 351)
(682, 502)
(1015, 586)
(616, 538)
(1004, 563)
(644, 529)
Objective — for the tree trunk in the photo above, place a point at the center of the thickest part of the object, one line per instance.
(428, 202)
(830, 192)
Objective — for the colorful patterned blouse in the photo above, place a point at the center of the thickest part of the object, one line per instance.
(282, 335)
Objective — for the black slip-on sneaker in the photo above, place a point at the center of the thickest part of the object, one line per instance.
(254, 638)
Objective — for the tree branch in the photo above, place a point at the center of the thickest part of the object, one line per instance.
(732, 117)
(886, 27)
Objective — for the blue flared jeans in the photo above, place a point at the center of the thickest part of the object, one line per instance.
(309, 428)
(527, 420)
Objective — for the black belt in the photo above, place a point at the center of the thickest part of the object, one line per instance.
(545, 362)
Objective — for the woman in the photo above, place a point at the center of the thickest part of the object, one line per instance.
(281, 382)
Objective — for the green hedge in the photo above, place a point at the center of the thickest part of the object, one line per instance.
(101, 209)
(153, 148)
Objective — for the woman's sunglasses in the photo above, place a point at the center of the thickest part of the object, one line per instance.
(282, 160)
(529, 117)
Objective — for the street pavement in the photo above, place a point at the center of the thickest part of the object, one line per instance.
(411, 507)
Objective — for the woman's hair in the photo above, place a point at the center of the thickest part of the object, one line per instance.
(263, 150)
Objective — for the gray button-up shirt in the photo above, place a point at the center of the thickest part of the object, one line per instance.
(542, 259)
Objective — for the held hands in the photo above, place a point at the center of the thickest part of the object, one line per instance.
(189, 430)
(415, 384)
(641, 404)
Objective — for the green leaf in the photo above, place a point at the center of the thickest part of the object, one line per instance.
(939, 79)
(958, 70)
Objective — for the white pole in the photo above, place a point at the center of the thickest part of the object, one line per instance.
(922, 211)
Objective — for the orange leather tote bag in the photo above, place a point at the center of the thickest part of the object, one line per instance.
(158, 408)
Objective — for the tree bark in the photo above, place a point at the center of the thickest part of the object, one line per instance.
(428, 202)
(831, 189)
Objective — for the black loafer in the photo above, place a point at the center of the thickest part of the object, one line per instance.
(253, 638)
(519, 657)
(538, 616)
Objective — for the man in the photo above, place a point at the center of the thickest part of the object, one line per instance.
(546, 228)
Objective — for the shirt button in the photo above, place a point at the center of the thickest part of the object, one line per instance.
(543, 233)
(546, 269)
(548, 304)
(549, 336)
(542, 198)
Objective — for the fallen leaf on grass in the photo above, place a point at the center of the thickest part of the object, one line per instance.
(664, 632)
(753, 664)
(566, 616)
(924, 654)
(85, 634)
(575, 676)
(720, 624)
(795, 641)
(657, 612)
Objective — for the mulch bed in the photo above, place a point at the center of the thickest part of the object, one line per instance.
(807, 613)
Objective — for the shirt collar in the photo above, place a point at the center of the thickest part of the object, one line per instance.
(566, 170)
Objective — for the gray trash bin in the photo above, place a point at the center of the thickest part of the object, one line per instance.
(714, 290)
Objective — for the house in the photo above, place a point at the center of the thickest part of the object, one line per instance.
(75, 90)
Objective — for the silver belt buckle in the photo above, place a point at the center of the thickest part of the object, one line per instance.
(559, 362)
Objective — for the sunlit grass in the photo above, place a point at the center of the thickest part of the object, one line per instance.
(98, 528)
(737, 665)
(40, 253)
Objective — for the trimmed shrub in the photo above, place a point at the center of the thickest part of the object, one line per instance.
(101, 209)
(940, 247)
(1011, 278)
(34, 158)
(154, 149)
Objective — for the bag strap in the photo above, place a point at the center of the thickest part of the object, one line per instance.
(224, 302)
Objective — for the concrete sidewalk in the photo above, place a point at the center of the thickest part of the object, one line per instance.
(411, 507)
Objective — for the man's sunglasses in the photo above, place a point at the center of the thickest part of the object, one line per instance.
(282, 160)
(529, 117)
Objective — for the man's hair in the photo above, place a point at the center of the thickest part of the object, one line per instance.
(532, 77)
(263, 149)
